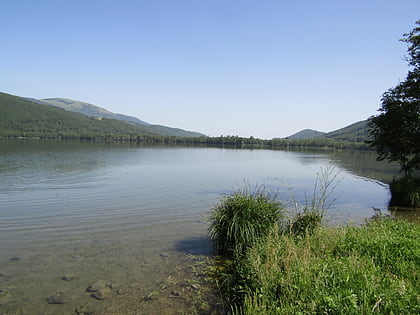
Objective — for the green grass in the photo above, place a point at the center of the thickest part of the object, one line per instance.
(342, 270)
(242, 218)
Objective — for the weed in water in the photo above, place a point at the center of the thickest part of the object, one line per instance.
(314, 210)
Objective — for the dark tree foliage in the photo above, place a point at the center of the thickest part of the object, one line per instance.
(395, 132)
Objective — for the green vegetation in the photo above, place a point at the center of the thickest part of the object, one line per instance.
(395, 132)
(21, 117)
(356, 133)
(24, 118)
(98, 112)
(242, 218)
(313, 213)
(267, 265)
(369, 270)
(405, 192)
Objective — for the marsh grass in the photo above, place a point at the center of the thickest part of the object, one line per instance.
(241, 219)
(313, 212)
(238, 222)
(346, 270)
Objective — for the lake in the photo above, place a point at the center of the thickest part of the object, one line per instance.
(73, 213)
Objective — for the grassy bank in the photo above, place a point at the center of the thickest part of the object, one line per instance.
(327, 270)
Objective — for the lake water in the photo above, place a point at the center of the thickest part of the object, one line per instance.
(135, 215)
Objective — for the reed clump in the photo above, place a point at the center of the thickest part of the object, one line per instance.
(241, 219)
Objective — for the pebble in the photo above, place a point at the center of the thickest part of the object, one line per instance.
(68, 277)
(120, 292)
(98, 285)
(164, 255)
(56, 299)
(101, 294)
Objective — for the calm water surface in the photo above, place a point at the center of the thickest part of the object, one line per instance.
(129, 214)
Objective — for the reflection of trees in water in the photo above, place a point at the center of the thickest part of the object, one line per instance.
(359, 163)
(364, 164)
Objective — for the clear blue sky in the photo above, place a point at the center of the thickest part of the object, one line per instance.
(261, 68)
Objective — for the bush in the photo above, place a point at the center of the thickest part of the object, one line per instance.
(405, 192)
(241, 219)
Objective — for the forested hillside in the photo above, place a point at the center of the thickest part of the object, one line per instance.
(23, 117)
(357, 132)
(99, 112)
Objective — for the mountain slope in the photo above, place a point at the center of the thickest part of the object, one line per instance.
(356, 132)
(306, 134)
(99, 112)
(89, 109)
(23, 117)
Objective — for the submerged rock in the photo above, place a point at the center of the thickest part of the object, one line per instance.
(102, 294)
(69, 277)
(56, 299)
(98, 285)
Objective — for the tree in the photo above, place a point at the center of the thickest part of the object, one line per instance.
(395, 132)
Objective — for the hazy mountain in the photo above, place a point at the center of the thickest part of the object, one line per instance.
(306, 134)
(100, 112)
(89, 109)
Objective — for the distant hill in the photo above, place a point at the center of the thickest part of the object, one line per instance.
(356, 132)
(89, 109)
(23, 117)
(306, 134)
(26, 117)
(99, 112)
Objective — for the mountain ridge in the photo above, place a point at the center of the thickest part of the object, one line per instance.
(22, 116)
(92, 110)
(89, 109)
(355, 132)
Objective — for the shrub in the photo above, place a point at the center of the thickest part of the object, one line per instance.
(405, 192)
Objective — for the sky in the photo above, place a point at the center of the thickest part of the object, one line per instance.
(261, 68)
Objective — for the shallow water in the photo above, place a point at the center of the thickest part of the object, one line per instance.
(135, 215)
